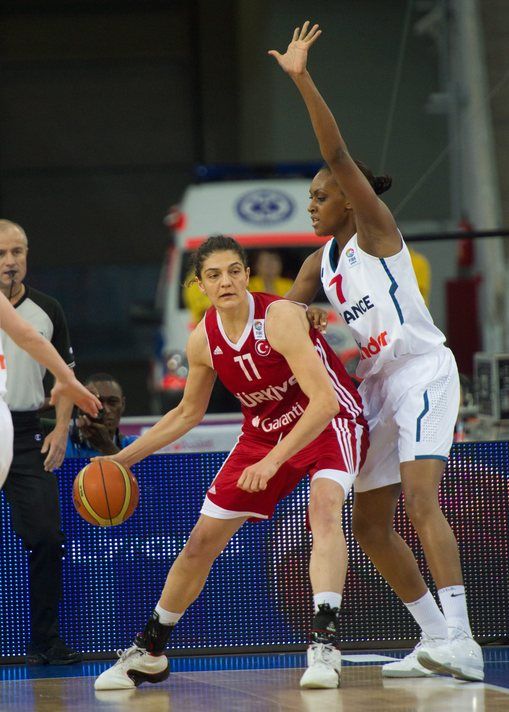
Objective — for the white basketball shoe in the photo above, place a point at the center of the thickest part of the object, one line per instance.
(460, 656)
(133, 667)
(324, 667)
(409, 666)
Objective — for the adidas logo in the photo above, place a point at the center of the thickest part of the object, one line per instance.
(218, 351)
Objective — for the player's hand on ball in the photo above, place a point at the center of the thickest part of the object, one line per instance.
(116, 458)
(255, 477)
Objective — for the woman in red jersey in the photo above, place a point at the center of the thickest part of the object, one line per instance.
(301, 415)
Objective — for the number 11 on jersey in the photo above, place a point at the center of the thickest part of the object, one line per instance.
(248, 359)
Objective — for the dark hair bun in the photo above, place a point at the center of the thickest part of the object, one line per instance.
(381, 184)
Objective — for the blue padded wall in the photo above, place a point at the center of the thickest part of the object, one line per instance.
(258, 593)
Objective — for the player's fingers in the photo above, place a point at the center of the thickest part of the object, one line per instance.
(261, 484)
(94, 401)
(56, 454)
(57, 461)
(312, 32)
(312, 40)
(249, 482)
(304, 30)
(296, 33)
(241, 482)
(91, 405)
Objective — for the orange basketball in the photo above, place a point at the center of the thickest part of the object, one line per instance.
(105, 493)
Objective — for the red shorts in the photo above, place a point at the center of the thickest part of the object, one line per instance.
(338, 453)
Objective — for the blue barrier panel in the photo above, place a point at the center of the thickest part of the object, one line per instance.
(258, 593)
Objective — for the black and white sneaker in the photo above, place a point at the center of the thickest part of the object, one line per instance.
(323, 655)
(324, 667)
(134, 666)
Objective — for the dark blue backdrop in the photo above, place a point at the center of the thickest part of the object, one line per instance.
(258, 593)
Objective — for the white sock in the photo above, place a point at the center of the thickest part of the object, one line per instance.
(428, 616)
(330, 597)
(167, 617)
(454, 606)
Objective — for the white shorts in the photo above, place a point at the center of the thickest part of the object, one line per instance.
(411, 408)
(6, 435)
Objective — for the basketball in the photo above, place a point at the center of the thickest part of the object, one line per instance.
(105, 493)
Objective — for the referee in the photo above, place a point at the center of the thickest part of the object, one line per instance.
(31, 487)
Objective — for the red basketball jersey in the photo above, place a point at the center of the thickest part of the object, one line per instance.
(260, 377)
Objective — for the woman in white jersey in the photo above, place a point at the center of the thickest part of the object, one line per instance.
(410, 387)
(39, 348)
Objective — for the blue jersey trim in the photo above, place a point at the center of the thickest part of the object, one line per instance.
(421, 416)
(334, 256)
(392, 290)
(432, 457)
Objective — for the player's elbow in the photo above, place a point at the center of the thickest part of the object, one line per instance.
(329, 406)
(192, 416)
(337, 158)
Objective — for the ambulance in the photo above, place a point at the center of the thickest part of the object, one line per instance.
(261, 214)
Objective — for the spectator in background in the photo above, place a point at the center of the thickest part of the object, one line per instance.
(195, 300)
(89, 437)
(267, 278)
(422, 270)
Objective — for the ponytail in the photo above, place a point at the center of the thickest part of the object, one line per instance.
(379, 183)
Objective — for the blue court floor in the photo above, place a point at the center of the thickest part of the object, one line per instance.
(496, 660)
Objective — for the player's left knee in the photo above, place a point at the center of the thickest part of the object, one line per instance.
(200, 546)
(420, 506)
(325, 510)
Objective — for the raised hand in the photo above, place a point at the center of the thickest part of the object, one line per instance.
(295, 58)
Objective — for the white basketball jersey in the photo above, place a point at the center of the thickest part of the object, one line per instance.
(3, 370)
(380, 301)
